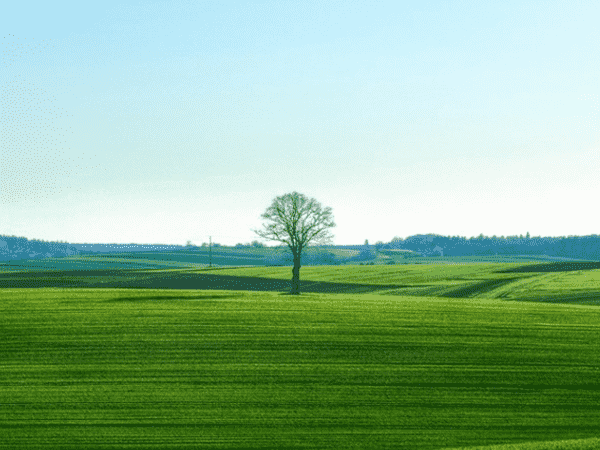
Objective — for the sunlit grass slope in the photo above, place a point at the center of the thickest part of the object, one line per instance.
(127, 368)
(569, 444)
(568, 282)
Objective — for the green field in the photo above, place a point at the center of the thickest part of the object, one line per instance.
(160, 352)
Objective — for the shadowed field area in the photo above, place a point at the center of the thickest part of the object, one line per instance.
(175, 280)
(555, 267)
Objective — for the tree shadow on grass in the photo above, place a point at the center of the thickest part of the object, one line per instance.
(176, 280)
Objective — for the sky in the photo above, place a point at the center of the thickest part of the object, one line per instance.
(162, 122)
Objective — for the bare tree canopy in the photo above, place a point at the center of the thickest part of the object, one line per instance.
(297, 221)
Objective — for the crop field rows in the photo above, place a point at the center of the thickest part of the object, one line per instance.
(240, 364)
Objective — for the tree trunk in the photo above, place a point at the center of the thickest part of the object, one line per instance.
(296, 276)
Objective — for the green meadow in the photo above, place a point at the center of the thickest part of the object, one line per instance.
(160, 351)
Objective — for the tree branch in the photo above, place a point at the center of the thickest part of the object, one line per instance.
(296, 221)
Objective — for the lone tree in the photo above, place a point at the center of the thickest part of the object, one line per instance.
(296, 220)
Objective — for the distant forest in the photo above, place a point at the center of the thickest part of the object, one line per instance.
(13, 247)
(429, 245)
(579, 247)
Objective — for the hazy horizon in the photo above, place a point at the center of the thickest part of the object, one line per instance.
(163, 122)
(278, 244)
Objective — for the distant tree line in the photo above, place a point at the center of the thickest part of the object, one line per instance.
(578, 247)
(16, 247)
(253, 244)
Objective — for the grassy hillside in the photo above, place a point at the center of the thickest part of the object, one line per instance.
(126, 368)
(567, 282)
(160, 351)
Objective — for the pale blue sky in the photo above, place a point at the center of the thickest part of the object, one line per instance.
(159, 122)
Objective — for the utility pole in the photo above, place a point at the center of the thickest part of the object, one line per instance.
(210, 251)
